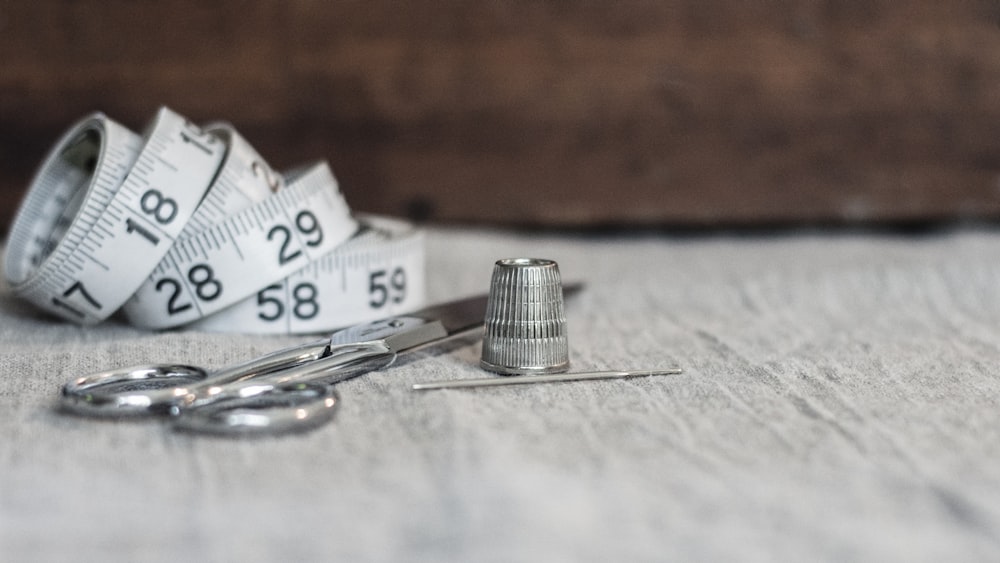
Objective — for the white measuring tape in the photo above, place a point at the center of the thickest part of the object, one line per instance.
(190, 226)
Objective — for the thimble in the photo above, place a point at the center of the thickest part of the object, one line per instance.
(525, 326)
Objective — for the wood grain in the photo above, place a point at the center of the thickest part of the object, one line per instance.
(571, 114)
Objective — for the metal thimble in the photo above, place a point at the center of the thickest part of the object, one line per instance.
(525, 326)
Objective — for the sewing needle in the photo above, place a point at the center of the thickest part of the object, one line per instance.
(553, 378)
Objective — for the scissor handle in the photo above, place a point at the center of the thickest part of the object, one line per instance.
(262, 408)
(156, 389)
(338, 363)
(127, 391)
(298, 398)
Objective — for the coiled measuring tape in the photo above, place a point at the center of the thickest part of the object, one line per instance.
(189, 226)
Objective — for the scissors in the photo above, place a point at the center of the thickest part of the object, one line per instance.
(287, 390)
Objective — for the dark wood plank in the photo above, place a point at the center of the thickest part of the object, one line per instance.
(657, 113)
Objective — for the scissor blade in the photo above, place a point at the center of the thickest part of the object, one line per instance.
(426, 326)
(467, 314)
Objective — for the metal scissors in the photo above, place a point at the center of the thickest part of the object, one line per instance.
(290, 389)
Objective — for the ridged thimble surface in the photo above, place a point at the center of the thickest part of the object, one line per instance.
(525, 326)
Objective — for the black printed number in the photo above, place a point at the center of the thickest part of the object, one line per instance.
(305, 305)
(206, 287)
(272, 307)
(163, 209)
(384, 287)
(133, 227)
(306, 225)
(77, 287)
(284, 256)
(173, 307)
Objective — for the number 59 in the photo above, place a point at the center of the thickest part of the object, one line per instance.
(384, 286)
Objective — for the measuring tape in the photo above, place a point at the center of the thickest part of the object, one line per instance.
(189, 226)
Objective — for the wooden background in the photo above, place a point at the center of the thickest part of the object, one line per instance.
(665, 113)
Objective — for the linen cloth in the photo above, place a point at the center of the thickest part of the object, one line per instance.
(839, 403)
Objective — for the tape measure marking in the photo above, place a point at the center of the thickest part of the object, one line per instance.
(377, 273)
(116, 237)
(209, 271)
(230, 243)
(84, 171)
(244, 179)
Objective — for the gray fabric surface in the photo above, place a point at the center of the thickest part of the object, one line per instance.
(840, 403)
